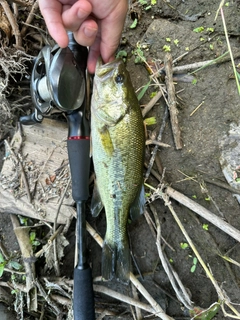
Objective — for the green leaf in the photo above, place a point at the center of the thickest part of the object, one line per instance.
(166, 48)
(153, 2)
(205, 226)
(199, 29)
(210, 29)
(32, 236)
(134, 24)
(2, 265)
(184, 245)
(150, 121)
(193, 268)
(142, 2)
(36, 243)
(176, 42)
(121, 54)
(15, 265)
(195, 260)
(1, 258)
(153, 94)
(207, 314)
(142, 92)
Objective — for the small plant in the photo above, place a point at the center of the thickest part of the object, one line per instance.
(205, 226)
(10, 263)
(134, 24)
(176, 42)
(199, 29)
(150, 121)
(194, 81)
(122, 54)
(193, 268)
(184, 245)
(33, 240)
(167, 48)
(138, 52)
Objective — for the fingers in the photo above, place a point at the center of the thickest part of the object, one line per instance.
(111, 30)
(77, 19)
(52, 13)
(109, 34)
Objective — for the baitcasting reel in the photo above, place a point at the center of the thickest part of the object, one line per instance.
(58, 80)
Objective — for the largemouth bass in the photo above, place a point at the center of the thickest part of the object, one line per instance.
(118, 152)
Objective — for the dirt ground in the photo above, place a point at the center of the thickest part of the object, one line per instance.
(213, 90)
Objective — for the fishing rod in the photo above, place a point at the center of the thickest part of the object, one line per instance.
(58, 81)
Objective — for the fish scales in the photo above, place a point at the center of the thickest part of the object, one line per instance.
(118, 150)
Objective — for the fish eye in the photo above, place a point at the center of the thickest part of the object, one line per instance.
(119, 78)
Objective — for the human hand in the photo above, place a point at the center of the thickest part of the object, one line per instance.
(94, 23)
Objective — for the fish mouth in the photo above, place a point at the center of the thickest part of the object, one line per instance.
(107, 70)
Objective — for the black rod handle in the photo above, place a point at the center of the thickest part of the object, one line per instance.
(79, 160)
(83, 297)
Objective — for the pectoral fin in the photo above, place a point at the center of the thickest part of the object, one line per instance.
(137, 207)
(106, 141)
(96, 203)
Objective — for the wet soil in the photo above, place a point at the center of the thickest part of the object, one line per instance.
(215, 91)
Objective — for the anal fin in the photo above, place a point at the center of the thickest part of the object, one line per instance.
(137, 207)
(96, 202)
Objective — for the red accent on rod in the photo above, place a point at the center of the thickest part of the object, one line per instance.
(79, 138)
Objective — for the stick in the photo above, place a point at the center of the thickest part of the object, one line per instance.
(29, 18)
(206, 214)
(158, 143)
(172, 101)
(13, 23)
(151, 103)
(22, 234)
(17, 159)
(177, 285)
(155, 149)
(114, 294)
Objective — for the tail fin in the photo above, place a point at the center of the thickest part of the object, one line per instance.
(116, 261)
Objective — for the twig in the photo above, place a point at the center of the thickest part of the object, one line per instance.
(138, 310)
(4, 251)
(192, 113)
(172, 101)
(30, 18)
(46, 247)
(155, 149)
(180, 291)
(104, 313)
(151, 103)
(206, 214)
(56, 262)
(158, 143)
(13, 23)
(221, 185)
(17, 159)
(119, 296)
(22, 234)
(46, 296)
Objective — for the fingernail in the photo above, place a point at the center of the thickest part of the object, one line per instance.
(89, 32)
